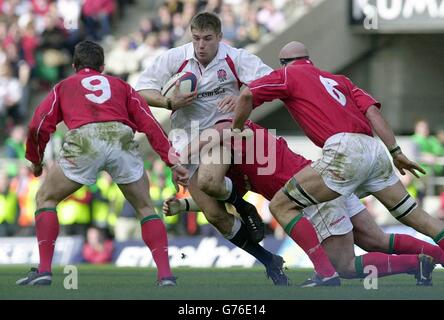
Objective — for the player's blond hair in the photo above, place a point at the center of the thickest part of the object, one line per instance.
(206, 21)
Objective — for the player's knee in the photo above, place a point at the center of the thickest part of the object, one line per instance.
(274, 207)
(42, 197)
(278, 203)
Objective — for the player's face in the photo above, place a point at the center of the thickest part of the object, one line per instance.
(206, 43)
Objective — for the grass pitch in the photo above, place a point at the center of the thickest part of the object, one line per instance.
(110, 282)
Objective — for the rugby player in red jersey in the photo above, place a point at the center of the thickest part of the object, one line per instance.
(102, 113)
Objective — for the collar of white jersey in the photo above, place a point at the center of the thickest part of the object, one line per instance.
(222, 52)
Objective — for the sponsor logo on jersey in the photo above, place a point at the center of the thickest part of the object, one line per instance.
(215, 92)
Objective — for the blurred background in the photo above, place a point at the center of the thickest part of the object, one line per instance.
(394, 50)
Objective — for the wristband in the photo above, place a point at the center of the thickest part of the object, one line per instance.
(395, 151)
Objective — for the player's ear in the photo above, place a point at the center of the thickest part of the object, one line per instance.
(74, 67)
(102, 68)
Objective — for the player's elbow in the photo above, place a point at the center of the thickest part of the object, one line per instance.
(373, 112)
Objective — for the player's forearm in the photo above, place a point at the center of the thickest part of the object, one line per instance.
(381, 127)
(154, 98)
(184, 205)
(243, 109)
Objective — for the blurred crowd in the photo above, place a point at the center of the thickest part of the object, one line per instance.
(37, 39)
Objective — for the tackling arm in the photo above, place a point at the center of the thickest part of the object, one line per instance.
(173, 206)
(385, 132)
(243, 109)
(381, 127)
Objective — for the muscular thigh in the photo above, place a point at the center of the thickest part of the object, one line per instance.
(55, 187)
(214, 165)
(137, 193)
(368, 235)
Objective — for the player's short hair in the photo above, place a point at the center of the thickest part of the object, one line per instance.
(88, 54)
(206, 21)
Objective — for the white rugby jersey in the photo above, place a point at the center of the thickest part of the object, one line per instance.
(222, 77)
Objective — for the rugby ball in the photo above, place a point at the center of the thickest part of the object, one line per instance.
(188, 83)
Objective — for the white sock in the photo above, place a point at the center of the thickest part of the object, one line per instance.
(228, 188)
(236, 227)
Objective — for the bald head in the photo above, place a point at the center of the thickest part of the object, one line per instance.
(293, 49)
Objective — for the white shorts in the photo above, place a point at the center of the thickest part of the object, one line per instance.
(108, 146)
(355, 163)
(332, 218)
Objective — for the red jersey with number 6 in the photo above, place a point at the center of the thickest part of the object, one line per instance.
(87, 97)
(323, 104)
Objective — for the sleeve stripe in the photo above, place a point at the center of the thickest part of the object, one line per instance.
(151, 117)
(272, 84)
(43, 120)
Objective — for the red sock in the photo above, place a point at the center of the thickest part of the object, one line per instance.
(439, 239)
(155, 237)
(47, 230)
(402, 243)
(304, 234)
(386, 264)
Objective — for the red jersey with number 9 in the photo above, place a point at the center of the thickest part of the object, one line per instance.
(323, 104)
(86, 97)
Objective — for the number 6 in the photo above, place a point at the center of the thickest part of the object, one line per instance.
(329, 85)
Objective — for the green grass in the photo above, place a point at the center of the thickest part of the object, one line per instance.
(109, 282)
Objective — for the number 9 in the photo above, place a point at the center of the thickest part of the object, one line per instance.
(103, 86)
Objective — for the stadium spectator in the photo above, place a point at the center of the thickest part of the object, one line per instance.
(270, 17)
(10, 94)
(122, 60)
(97, 16)
(97, 249)
(74, 214)
(8, 207)
(15, 144)
(428, 147)
(25, 186)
